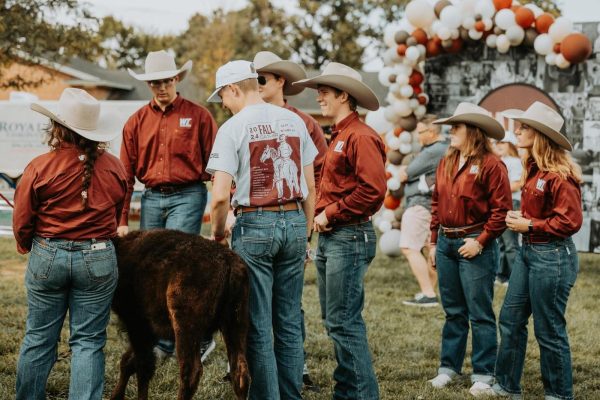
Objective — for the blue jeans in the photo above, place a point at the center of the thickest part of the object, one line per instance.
(540, 284)
(273, 244)
(181, 210)
(343, 257)
(64, 275)
(508, 245)
(467, 290)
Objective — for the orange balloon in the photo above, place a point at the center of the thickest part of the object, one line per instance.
(417, 89)
(401, 49)
(500, 4)
(388, 175)
(420, 35)
(479, 26)
(456, 46)
(524, 17)
(422, 99)
(415, 78)
(543, 22)
(576, 47)
(397, 131)
(556, 48)
(390, 202)
(433, 48)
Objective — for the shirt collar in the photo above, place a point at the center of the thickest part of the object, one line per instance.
(345, 123)
(174, 105)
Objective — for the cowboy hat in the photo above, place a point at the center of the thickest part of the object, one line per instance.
(265, 61)
(344, 78)
(543, 119)
(469, 113)
(161, 65)
(81, 113)
(232, 72)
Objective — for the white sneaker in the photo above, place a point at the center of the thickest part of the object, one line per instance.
(161, 355)
(480, 389)
(206, 349)
(440, 381)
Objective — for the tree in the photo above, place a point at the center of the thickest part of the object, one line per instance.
(30, 31)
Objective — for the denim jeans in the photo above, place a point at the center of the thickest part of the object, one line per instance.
(65, 275)
(540, 284)
(273, 244)
(181, 210)
(343, 257)
(508, 245)
(467, 290)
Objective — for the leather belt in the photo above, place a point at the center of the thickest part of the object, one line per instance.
(291, 206)
(540, 238)
(170, 189)
(462, 231)
(351, 222)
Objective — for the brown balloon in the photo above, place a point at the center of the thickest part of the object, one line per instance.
(394, 157)
(396, 224)
(420, 36)
(439, 6)
(576, 47)
(530, 35)
(392, 78)
(401, 36)
(433, 48)
(408, 123)
(398, 193)
(411, 41)
(408, 158)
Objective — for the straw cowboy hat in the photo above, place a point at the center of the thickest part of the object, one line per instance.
(344, 78)
(161, 65)
(469, 113)
(543, 119)
(265, 61)
(81, 113)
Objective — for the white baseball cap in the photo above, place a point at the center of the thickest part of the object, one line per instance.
(232, 72)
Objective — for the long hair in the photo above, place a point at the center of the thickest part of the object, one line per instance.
(477, 145)
(550, 157)
(512, 149)
(58, 134)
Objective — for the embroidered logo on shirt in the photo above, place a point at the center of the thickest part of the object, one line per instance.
(185, 122)
(338, 147)
(474, 169)
(214, 155)
(540, 185)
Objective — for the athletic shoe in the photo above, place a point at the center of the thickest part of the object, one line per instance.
(206, 348)
(161, 355)
(480, 389)
(309, 384)
(421, 300)
(440, 381)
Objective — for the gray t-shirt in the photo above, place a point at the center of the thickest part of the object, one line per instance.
(264, 148)
(425, 163)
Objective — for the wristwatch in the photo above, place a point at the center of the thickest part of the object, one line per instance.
(530, 227)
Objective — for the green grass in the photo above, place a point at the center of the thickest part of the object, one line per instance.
(404, 340)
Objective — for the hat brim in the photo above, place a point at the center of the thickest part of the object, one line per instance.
(487, 124)
(214, 97)
(290, 71)
(107, 129)
(552, 134)
(363, 94)
(153, 76)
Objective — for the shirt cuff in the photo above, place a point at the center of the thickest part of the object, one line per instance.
(124, 218)
(331, 211)
(483, 238)
(538, 224)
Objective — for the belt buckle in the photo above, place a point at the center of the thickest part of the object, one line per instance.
(167, 189)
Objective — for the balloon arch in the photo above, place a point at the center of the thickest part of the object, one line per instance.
(428, 30)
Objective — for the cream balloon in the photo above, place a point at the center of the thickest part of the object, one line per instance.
(562, 62)
(406, 91)
(543, 44)
(468, 22)
(474, 34)
(385, 226)
(384, 76)
(502, 44)
(394, 143)
(491, 40)
(505, 18)
(405, 148)
(561, 27)
(389, 242)
(377, 121)
(412, 53)
(450, 16)
(419, 13)
(420, 111)
(405, 137)
(444, 32)
(485, 8)
(515, 35)
(550, 58)
(401, 107)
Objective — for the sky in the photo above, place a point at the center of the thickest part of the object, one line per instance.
(171, 16)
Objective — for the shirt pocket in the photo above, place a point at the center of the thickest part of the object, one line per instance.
(101, 265)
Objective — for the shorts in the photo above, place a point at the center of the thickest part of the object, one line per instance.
(415, 228)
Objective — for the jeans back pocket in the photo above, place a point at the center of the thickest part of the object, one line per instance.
(41, 260)
(101, 265)
(257, 239)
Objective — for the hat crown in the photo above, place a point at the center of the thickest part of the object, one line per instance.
(235, 71)
(159, 61)
(334, 68)
(79, 109)
(540, 112)
(470, 108)
(264, 58)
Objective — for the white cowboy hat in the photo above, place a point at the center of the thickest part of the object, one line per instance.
(545, 120)
(81, 113)
(161, 65)
(232, 72)
(344, 78)
(469, 113)
(265, 61)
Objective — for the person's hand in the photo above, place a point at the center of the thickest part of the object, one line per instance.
(432, 255)
(471, 248)
(515, 222)
(122, 230)
(229, 223)
(321, 222)
(220, 239)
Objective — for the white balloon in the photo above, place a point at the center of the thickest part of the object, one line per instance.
(550, 58)
(435, 26)
(420, 111)
(543, 44)
(468, 22)
(403, 69)
(413, 103)
(377, 121)
(561, 27)
(406, 91)
(402, 79)
(454, 34)
(384, 76)
(405, 148)
(487, 24)
(536, 10)
(405, 137)
(502, 44)
(419, 13)
(405, 25)
(450, 16)
(388, 35)
(444, 32)
(388, 215)
(389, 242)
(401, 107)
(491, 40)
(390, 56)
(390, 115)
(485, 8)
(412, 53)
(505, 18)
(422, 50)
(389, 136)
(394, 144)
(467, 7)
(515, 35)
(385, 226)
(561, 62)
(474, 34)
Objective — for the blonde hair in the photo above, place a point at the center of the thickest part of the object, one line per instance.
(550, 157)
(248, 85)
(428, 120)
(477, 145)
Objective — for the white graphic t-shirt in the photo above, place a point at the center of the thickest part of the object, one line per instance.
(264, 148)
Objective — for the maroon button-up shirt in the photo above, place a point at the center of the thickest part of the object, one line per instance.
(318, 138)
(167, 148)
(465, 200)
(48, 198)
(551, 202)
(353, 182)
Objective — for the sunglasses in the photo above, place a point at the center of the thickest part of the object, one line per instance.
(262, 80)
(159, 83)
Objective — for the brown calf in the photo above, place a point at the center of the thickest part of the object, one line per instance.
(181, 287)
